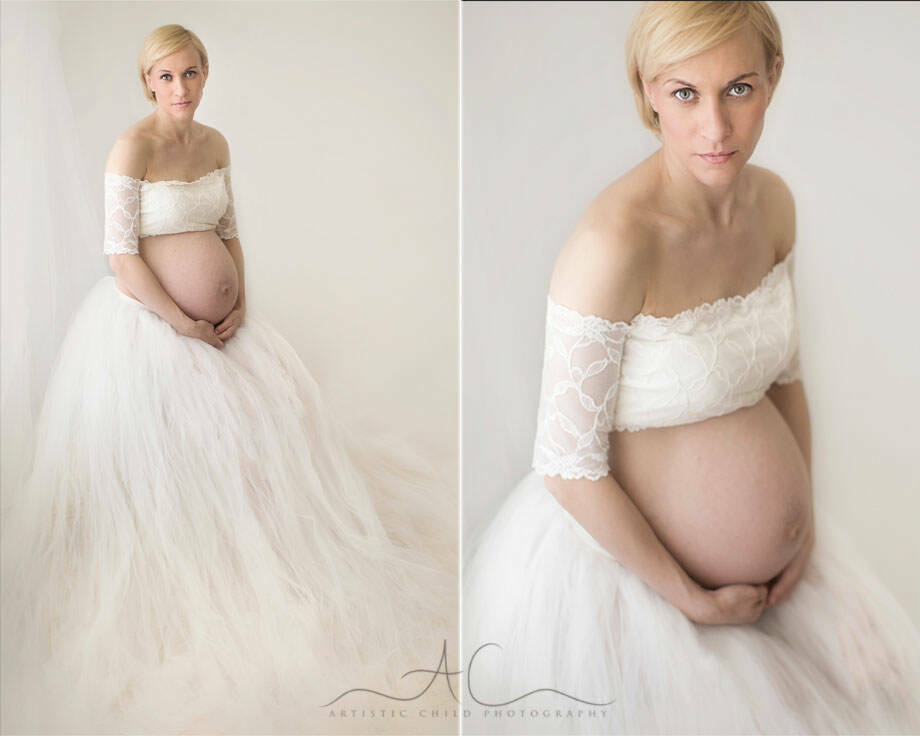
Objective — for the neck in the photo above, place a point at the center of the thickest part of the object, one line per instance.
(713, 205)
(173, 130)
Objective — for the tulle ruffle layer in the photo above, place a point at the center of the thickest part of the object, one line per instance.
(201, 548)
(840, 656)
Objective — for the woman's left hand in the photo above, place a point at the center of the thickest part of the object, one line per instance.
(785, 582)
(228, 326)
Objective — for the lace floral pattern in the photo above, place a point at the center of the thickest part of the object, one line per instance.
(226, 226)
(581, 367)
(172, 206)
(792, 372)
(136, 208)
(122, 214)
(601, 376)
(709, 360)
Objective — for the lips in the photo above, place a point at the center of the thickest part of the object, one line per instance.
(717, 158)
(181, 104)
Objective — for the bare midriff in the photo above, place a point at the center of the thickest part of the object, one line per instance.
(729, 496)
(196, 270)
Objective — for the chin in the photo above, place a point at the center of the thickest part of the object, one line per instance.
(717, 175)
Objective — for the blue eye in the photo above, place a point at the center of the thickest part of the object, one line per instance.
(685, 94)
(167, 77)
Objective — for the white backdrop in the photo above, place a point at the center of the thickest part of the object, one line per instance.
(342, 120)
(549, 120)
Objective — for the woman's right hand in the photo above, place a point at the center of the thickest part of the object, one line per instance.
(730, 604)
(201, 329)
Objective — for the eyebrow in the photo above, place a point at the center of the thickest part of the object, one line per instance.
(169, 72)
(736, 79)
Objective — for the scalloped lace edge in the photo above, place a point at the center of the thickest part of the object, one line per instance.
(692, 313)
(554, 471)
(168, 181)
(118, 250)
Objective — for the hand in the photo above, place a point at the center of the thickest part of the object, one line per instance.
(201, 329)
(784, 583)
(228, 326)
(731, 604)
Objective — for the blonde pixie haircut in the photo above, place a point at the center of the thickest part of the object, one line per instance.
(666, 33)
(164, 41)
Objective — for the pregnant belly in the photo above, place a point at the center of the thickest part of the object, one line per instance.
(196, 270)
(729, 496)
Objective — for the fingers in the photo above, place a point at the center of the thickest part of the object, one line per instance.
(784, 585)
(740, 604)
(216, 341)
(779, 594)
(226, 328)
(757, 603)
(789, 578)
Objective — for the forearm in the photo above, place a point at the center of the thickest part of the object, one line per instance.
(236, 252)
(792, 404)
(609, 515)
(133, 272)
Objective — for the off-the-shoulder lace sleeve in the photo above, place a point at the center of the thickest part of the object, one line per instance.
(122, 214)
(581, 371)
(792, 371)
(226, 226)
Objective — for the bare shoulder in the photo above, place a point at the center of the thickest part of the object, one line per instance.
(604, 266)
(131, 152)
(218, 144)
(777, 207)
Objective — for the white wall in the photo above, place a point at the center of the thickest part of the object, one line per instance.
(549, 120)
(342, 123)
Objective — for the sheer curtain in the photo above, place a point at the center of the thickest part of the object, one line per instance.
(50, 223)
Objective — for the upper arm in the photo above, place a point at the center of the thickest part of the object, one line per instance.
(598, 286)
(128, 160)
(603, 267)
(221, 147)
(779, 211)
(779, 206)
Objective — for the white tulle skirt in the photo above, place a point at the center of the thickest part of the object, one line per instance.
(200, 548)
(840, 656)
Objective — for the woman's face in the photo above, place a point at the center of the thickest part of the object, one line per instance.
(178, 81)
(714, 103)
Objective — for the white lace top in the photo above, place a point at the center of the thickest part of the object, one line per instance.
(136, 208)
(601, 376)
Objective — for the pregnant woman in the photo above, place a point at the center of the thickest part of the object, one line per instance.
(198, 546)
(665, 569)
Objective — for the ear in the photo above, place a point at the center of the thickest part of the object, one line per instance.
(775, 70)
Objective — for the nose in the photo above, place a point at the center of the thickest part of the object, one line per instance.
(715, 124)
